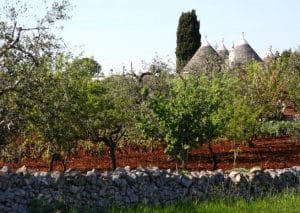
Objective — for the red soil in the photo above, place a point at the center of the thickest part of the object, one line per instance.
(290, 111)
(267, 153)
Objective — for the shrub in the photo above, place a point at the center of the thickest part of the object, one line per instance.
(95, 150)
(279, 128)
(12, 152)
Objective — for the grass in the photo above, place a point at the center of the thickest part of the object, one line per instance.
(285, 202)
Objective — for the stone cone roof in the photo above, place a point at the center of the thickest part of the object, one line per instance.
(243, 52)
(205, 54)
(223, 51)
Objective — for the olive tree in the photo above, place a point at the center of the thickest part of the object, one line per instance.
(293, 73)
(108, 113)
(54, 111)
(188, 117)
(24, 47)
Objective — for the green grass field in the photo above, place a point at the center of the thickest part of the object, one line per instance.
(279, 203)
(286, 202)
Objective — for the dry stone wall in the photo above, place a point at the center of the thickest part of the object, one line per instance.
(142, 185)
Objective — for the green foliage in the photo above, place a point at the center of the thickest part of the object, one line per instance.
(188, 38)
(96, 150)
(257, 93)
(86, 67)
(157, 83)
(38, 206)
(108, 112)
(253, 93)
(55, 115)
(287, 202)
(242, 120)
(293, 72)
(187, 118)
(12, 152)
(284, 202)
(278, 128)
(52, 108)
(10, 119)
(24, 47)
(108, 108)
(53, 100)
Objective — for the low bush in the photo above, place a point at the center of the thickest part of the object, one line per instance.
(96, 150)
(12, 153)
(275, 128)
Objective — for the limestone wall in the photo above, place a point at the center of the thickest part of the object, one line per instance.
(126, 186)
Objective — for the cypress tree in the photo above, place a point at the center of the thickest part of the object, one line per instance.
(188, 38)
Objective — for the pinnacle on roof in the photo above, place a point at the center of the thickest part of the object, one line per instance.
(205, 43)
(223, 51)
(206, 53)
(270, 53)
(243, 41)
(233, 45)
(244, 52)
(222, 47)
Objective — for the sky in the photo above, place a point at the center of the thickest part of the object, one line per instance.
(118, 32)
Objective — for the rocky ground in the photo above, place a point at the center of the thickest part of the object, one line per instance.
(127, 186)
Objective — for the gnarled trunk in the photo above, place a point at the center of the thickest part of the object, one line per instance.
(112, 154)
(185, 159)
(57, 157)
(213, 157)
(250, 143)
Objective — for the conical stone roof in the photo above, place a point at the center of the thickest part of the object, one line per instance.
(223, 51)
(243, 53)
(206, 54)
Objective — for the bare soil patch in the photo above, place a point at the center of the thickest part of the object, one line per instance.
(268, 153)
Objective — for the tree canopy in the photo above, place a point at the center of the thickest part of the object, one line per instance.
(25, 48)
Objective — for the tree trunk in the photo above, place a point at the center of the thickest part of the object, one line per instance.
(213, 157)
(112, 154)
(250, 140)
(234, 154)
(250, 143)
(185, 159)
(60, 158)
(182, 164)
